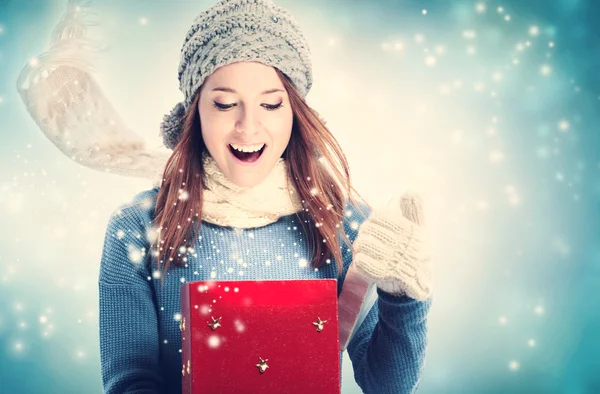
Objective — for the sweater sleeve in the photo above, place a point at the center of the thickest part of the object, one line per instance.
(388, 349)
(129, 342)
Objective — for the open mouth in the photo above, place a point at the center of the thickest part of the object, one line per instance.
(246, 157)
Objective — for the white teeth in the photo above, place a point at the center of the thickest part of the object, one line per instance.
(247, 148)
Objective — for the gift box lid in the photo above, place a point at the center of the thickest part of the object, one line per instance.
(268, 336)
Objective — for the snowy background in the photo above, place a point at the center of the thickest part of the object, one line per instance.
(487, 107)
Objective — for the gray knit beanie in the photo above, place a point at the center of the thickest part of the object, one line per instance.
(233, 31)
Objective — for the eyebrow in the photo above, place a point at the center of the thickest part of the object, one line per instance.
(230, 90)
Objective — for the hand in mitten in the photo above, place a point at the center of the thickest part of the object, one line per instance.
(390, 249)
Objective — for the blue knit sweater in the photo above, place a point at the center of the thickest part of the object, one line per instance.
(140, 343)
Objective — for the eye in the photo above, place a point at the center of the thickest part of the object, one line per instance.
(270, 107)
(223, 107)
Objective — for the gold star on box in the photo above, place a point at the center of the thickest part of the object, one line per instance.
(319, 324)
(215, 323)
(182, 325)
(262, 365)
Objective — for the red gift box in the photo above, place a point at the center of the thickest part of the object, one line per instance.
(270, 336)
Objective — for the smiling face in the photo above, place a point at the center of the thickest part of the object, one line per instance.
(246, 120)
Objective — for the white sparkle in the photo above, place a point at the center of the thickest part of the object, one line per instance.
(177, 316)
(480, 8)
(500, 10)
(539, 310)
(502, 320)
(183, 195)
(430, 60)
(143, 21)
(302, 263)
(563, 125)
(419, 38)
(205, 309)
(513, 365)
(135, 255)
(214, 341)
(507, 18)
(239, 325)
(534, 31)
(531, 343)
(424, 12)
(469, 34)
(545, 70)
(513, 197)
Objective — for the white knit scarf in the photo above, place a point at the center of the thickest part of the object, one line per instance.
(227, 204)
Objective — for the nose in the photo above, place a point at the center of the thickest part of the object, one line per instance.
(248, 122)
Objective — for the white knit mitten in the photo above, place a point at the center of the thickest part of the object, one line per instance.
(390, 249)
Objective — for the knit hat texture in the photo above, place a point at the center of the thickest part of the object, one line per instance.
(233, 31)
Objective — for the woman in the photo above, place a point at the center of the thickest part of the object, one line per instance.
(256, 188)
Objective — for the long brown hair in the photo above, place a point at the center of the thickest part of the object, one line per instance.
(310, 150)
